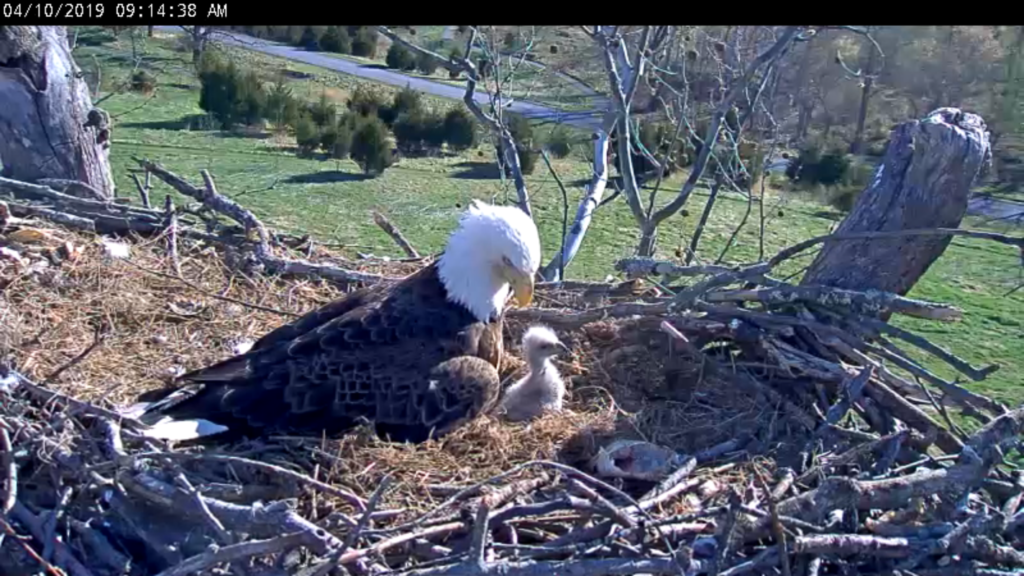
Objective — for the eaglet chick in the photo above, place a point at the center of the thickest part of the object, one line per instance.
(542, 388)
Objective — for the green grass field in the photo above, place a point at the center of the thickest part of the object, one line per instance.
(333, 201)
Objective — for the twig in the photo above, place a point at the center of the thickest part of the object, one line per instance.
(211, 294)
(395, 234)
(565, 214)
(97, 340)
(357, 531)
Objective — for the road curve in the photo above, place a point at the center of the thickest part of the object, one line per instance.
(588, 120)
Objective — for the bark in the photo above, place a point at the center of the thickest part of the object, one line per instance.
(924, 181)
(149, 31)
(46, 107)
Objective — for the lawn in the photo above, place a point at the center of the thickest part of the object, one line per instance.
(333, 201)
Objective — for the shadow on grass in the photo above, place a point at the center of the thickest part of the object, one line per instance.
(201, 123)
(477, 171)
(190, 122)
(326, 177)
(833, 215)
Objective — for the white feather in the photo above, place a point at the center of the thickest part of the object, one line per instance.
(168, 429)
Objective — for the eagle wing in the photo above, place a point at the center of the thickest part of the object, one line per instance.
(403, 358)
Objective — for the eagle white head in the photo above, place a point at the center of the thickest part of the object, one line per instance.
(495, 250)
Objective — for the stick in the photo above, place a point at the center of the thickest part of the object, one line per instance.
(228, 207)
(869, 302)
(234, 553)
(356, 532)
(395, 234)
(301, 478)
(10, 471)
(257, 519)
(62, 553)
(171, 223)
(143, 190)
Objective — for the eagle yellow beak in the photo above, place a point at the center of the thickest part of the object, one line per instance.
(522, 287)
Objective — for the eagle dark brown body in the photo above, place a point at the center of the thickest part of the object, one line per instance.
(402, 356)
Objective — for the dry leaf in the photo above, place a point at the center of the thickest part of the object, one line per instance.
(32, 236)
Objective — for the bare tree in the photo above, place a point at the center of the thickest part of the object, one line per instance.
(495, 96)
(198, 37)
(49, 128)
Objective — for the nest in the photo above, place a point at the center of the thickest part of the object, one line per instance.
(707, 437)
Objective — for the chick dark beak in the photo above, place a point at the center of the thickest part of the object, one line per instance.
(563, 348)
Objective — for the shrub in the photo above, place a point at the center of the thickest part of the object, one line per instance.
(427, 64)
(406, 100)
(143, 82)
(306, 136)
(559, 142)
(370, 146)
(364, 41)
(347, 125)
(323, 112)
(510, 40)
(281, 107)
(522, 132)
(419, 132)
(460, 129)
(400, 58)
(328, 138)
(250, 105)
(309, 39)
(812, 167)
(855, 179)
(527, 160)
(336, 39)
(365, 101)
(220, 91)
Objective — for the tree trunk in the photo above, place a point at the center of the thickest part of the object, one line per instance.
(199, 34)
(924, 181)
(46, 130)
(865, 99)
(149, 31)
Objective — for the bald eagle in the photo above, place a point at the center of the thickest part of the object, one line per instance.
(416, 358)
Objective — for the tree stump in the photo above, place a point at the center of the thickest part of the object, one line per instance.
(924, 181)
(46, 106)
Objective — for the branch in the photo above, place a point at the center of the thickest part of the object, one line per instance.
(235, 552)
(395, 234)
(768, 57)
(262, 250)
(869, 302)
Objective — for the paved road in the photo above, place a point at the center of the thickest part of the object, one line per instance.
(586, 119)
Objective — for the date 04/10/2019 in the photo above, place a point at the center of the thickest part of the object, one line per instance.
(120, 10)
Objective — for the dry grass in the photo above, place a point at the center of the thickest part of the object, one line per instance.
(154, 326)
